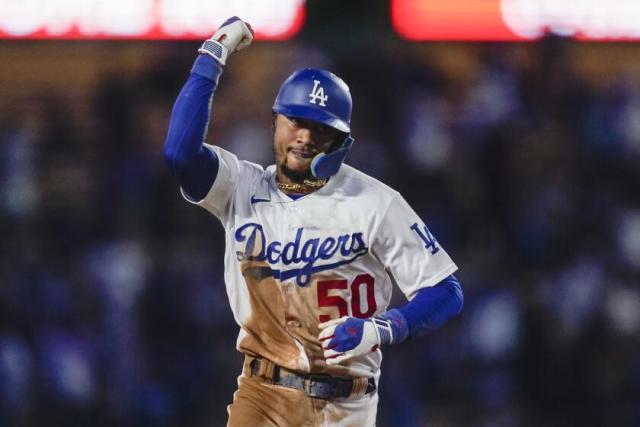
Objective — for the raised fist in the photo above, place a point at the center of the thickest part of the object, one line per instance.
(233, 35)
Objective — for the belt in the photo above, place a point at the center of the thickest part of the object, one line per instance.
(321, 386)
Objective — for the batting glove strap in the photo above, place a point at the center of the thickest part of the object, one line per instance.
(216, 50)
(383, 329)
(398, 325)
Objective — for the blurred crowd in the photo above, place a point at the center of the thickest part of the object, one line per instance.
(113, 310)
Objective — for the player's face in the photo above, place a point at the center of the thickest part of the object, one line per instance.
(296, 143)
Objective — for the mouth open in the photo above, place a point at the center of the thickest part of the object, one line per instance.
(303, 154)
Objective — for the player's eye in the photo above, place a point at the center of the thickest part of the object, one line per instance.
(322, 129)
(325, 133)
(293, 122)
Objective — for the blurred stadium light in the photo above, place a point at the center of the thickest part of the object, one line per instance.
(515, 20)
(145, 19)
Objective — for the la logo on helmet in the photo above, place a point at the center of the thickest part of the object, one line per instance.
(317, 94)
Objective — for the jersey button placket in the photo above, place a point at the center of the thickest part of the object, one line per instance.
(290, 226)
(292, 217)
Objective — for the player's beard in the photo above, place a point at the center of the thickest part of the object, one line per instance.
(294, 175)
(299, 176)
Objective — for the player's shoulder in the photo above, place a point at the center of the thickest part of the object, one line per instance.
(355, 183)
(244, 166)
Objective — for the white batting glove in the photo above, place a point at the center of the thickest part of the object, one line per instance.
(232, 36)
(348, 337)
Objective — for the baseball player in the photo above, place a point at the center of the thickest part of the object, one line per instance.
(313, 248)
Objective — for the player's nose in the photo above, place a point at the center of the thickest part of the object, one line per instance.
(304, 136)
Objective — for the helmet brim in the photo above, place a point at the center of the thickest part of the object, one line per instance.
(314, 114)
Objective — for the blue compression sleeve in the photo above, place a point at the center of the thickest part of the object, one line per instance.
(194, 165)
(428, 310)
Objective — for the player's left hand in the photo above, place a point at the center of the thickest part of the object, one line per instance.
(348, 337)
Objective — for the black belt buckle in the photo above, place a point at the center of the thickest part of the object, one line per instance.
(318, 386)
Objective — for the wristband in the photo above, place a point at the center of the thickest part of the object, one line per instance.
(216, 50)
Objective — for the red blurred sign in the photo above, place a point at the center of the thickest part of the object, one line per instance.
(145, 19)
(515, 20)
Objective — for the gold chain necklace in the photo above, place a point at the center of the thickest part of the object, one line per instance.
(307, 186)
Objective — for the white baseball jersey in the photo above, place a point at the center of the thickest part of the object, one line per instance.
(290, 264)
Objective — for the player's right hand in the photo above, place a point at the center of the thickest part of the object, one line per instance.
(233, 35)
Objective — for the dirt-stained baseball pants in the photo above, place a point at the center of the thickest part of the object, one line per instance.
(257, 403)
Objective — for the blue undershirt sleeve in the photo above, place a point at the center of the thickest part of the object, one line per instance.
(194, 165)
(427, 311)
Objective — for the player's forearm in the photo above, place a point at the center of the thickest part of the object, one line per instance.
(432, 307)
(189, 161)
(348, 336)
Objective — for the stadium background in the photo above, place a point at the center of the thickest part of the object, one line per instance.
(523, 158)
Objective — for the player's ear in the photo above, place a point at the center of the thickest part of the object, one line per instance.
(274, 116)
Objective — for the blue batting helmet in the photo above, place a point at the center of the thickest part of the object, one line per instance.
(321, 96)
